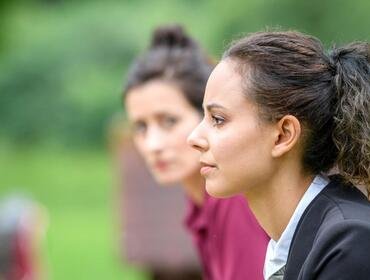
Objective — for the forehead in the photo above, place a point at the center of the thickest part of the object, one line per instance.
(156, 97)
(224, 86)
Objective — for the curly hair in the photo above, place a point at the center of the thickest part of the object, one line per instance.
(351, 134)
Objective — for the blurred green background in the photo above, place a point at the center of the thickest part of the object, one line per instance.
(62, 67)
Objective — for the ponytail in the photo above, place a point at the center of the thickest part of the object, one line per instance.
(351, 133)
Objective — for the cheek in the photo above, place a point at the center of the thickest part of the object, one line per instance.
(140, 147)
(181, 135)
(247, 161)
(185, 153)
(226, 147)
(234, 151)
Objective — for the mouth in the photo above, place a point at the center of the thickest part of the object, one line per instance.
(161, 165)
(206, 168)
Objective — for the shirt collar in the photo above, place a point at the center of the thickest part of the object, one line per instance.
(277, 251)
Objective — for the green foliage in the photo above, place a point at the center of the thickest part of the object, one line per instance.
(61, 79)
(63, 65)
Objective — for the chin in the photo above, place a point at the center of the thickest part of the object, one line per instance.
(218, 190)
(166, 179)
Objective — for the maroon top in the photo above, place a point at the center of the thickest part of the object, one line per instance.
(230, 242)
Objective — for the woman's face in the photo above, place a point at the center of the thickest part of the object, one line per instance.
(235, 144)
(162, 119)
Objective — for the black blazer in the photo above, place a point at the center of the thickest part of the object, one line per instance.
(332, 239)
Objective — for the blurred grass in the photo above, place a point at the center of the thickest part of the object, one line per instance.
(77, 189)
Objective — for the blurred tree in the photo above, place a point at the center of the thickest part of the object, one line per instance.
(3, 8)
(62, 68)
(337, 21)
(65, 84)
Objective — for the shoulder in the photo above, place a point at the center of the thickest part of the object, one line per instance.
(339, 251)
(332, 238)
(342, 233)
(345, 222)
(346, 201)
(341, 243)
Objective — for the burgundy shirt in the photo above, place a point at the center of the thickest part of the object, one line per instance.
(230, 242)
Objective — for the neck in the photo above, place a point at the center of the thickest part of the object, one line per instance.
(194, 187)
(274, 203)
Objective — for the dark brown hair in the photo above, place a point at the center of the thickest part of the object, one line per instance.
(290, 73)
(175, 57)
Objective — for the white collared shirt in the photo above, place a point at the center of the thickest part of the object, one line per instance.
(277, 251)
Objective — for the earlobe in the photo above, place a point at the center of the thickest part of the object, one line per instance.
(288, 133)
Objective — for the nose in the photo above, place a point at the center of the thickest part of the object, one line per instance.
(197, 140)
(154, 140)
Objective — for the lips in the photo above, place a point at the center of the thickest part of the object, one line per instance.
(161, 165)
(206, 168)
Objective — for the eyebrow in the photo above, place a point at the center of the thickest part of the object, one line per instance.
(211, 106)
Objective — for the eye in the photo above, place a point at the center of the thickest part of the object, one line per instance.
(169, 122)
(217, 120)
(139, 127)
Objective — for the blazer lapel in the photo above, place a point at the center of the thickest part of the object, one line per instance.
(304, 235)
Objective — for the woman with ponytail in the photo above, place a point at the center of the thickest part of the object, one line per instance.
(280, 114)
(163, 98)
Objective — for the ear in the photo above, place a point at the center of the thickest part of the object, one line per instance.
(288, 132)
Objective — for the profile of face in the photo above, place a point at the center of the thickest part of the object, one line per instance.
(234, 142)
(162, 119)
